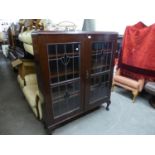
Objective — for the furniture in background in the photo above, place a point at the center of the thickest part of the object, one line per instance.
(16, 48)
(33, 25)
(26, 39)
(33, 95)
(4, 41)
(28, 84)
(150, 88)
(137, 56)
(74, 72)
(27, 76)
(26, 67)
(25, 64)
(135, 86)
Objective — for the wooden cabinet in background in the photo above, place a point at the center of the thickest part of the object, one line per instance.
(74, 71)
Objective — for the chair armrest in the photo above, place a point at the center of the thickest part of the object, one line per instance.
(30, 79)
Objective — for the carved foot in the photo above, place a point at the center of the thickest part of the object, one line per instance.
(107, 107)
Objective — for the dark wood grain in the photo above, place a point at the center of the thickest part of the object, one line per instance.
(41, 40)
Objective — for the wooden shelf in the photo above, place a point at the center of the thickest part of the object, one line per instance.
(54, 56)
(98, 52)
(64, 82)
(97, 66)
(57, 98)
(100, 73)
(63, 73)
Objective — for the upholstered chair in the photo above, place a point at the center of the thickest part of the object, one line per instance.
(29, 84)
(26, 38)
(150, 88)
(135, 86)
(33, 95)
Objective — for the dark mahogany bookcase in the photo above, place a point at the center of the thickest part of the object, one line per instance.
(74, 71)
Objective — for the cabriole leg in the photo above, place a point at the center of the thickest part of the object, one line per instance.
(108, 103)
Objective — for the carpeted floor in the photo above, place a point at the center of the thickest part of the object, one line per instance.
(124, 117)
(15, 115)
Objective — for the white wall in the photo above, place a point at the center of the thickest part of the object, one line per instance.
(111, 15)
(117, 14)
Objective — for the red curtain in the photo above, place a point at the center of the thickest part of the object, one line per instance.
(138, 51)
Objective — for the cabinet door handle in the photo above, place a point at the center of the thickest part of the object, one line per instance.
(87, 74)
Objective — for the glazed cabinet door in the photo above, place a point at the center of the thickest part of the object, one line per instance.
(63, 89)
(99, 69)
(65, 85)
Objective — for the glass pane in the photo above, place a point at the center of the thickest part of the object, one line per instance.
(51, 50)
(66, 98)
(64, 63)
(99, 87)
(101, 56)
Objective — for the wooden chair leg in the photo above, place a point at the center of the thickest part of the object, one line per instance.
(112, 88)
(135, 94)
